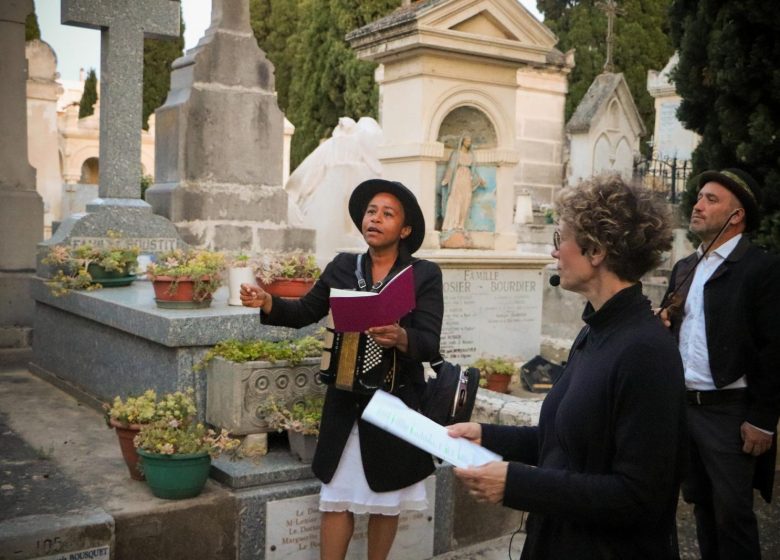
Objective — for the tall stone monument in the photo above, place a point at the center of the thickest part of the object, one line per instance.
(219, 145)
(123, 26)
(21, 207)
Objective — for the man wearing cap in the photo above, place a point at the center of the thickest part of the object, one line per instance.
(727, 321)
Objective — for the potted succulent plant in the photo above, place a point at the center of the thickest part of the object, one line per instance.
(302, 422)
(240, 271)
(186, 279)
(87, 267)
(497, 371)
(176, 456)
(128, 416)
(290, 274)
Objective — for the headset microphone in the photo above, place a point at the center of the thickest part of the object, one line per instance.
(555, 280)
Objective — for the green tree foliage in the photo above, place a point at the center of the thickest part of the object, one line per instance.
(89, 96)
(159, 54)
(318, 76)
(730, 85)
(641, 43)
(31, 29)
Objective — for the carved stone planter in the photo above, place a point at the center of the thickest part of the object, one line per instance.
(235, 391)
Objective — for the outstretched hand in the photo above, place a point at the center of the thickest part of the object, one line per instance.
(255, 296)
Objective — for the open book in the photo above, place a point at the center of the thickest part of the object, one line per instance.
(356, 311)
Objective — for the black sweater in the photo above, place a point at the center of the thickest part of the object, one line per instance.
(601, 472)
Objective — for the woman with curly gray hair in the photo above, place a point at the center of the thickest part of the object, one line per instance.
(600, 474)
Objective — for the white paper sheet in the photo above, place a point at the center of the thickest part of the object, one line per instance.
(391, 414)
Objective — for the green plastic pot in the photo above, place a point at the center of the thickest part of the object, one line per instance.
(175, 477)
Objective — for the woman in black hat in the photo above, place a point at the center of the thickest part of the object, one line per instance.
(365, 469)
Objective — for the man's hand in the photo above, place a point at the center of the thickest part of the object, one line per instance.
(755, 442)
(485, 483)
(663, 314)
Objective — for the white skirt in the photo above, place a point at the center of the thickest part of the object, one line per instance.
(348, 489)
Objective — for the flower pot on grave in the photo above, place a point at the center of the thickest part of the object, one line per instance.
(110, 278)
(236, 276)
(181, 292)
(288, 287)
(302, 445)
(498, 382)
(125, 434)
(175, 477)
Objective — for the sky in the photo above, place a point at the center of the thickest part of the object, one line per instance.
(77, 47)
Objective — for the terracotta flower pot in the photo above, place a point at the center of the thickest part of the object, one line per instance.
(179, 293)
(125, 434)
(498, 382)
(288, 287)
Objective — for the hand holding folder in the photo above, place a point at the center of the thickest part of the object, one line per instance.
(356, 311)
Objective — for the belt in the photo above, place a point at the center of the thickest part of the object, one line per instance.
(724, 396)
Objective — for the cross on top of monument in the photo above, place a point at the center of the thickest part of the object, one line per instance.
(123, 25)
(610, 8)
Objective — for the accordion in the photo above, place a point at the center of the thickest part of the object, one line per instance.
(352, 361)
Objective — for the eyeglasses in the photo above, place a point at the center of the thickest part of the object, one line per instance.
(557, 240)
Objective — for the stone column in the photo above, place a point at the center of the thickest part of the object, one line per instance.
(21, 207)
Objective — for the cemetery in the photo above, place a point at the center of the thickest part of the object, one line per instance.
(461, 84)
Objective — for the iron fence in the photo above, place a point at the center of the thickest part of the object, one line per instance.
(663, 175)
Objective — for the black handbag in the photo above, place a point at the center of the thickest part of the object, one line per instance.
(449, 397)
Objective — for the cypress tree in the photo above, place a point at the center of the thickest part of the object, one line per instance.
(641, 43)
(318, 76)
(730, 88)
(159, 54)
(89, 96)
(31, 29)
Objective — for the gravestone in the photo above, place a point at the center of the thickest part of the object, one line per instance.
(21, 207)
(219, 144)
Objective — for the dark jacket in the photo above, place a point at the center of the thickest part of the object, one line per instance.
(600, 474)
(389, 462)
(742, 321)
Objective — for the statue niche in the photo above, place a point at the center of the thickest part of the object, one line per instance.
(465, 191)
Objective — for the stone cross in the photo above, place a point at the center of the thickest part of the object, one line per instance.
(610, 8)
(123, 25)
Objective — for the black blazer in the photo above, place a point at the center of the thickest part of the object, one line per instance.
(389, 462)
(742, 321)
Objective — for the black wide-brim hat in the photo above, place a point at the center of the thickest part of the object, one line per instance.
(365, 191)
(744, 187)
